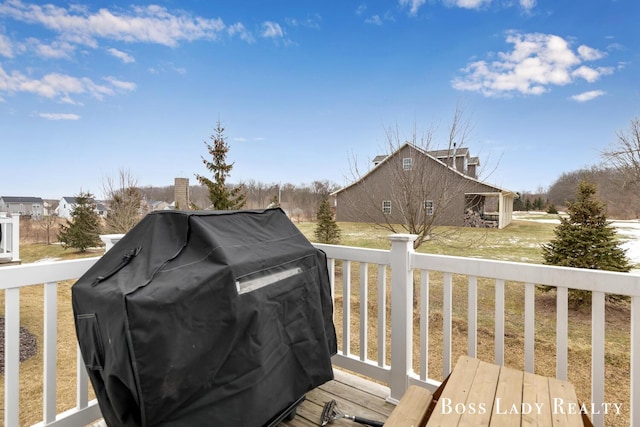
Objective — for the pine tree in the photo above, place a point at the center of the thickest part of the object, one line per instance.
(221, 196)
(327, 230)
(585, 239)
(82, 230)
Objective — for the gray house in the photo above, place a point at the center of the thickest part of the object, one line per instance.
(30, 206)
(67, 204)
(439, 187)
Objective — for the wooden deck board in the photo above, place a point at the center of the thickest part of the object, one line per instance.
(354, 396)
(536, 389)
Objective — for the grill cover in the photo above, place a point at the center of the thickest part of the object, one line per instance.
(209, 318)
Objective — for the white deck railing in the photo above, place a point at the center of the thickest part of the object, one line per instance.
(401, 263)
(9, 238)
(399, 368)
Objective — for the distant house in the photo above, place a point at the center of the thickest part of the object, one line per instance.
(439, 187)
(29, 206)
(154, 205)
(66, 205)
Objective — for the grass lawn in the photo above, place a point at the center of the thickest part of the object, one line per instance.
(519, 242)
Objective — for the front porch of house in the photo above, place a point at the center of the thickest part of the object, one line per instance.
(402, 318)
(488, 209)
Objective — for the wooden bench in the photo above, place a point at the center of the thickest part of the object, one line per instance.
(480, 393)
(412, 410)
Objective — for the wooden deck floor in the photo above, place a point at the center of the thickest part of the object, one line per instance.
(354, 395)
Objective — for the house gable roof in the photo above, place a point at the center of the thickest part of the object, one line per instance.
(18, 199)
(456, 152)
(430, 155)
(74, 200)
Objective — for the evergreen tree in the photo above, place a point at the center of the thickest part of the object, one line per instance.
(82, 230)
(585, 239)
(518, 204)
(327, 230)
(538, 204)
(552, 209)
(221, 196)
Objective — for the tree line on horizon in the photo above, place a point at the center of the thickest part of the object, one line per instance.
(621, 199)
(128, 202)
(616, 179)
(617, 182)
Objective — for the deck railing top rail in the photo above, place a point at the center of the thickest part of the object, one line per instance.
(351, 269)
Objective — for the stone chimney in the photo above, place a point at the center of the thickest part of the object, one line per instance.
(181, 194)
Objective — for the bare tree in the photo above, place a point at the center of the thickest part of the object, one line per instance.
(423, 191)
(125, 202)
(47, 223)
(624, 154)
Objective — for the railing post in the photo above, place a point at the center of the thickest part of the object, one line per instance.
(15, 237)
(110, 240)
(401, 313)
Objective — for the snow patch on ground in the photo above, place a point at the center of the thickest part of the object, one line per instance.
(47, 259)
(628, 231)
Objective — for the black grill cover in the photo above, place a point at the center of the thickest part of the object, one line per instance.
(213, 318)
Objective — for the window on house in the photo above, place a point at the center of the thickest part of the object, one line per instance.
(428, 207)
(386, 206)
(407, 163)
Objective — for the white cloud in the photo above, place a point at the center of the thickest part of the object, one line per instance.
(6, 47)
(241, 31)
(590, 54)
(313, 22)
(151, 24)
(60, 87)
(528, 4)
(57, 49)
(375, 20)
(588, 96)
(123, 56)
(59, 116)
(126, 86)
(272, 30)
(167, 67)
(536, 62)
(467, 4)
(414, 5)
(587, 73)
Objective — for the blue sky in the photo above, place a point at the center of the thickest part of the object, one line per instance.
(304, 87)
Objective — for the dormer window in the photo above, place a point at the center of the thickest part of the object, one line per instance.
(407, 163)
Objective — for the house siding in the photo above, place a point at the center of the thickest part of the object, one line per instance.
(432, 180)
(28, 206)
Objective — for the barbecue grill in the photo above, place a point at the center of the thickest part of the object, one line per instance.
(206, 318)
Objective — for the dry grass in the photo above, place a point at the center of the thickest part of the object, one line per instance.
(519, 242)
